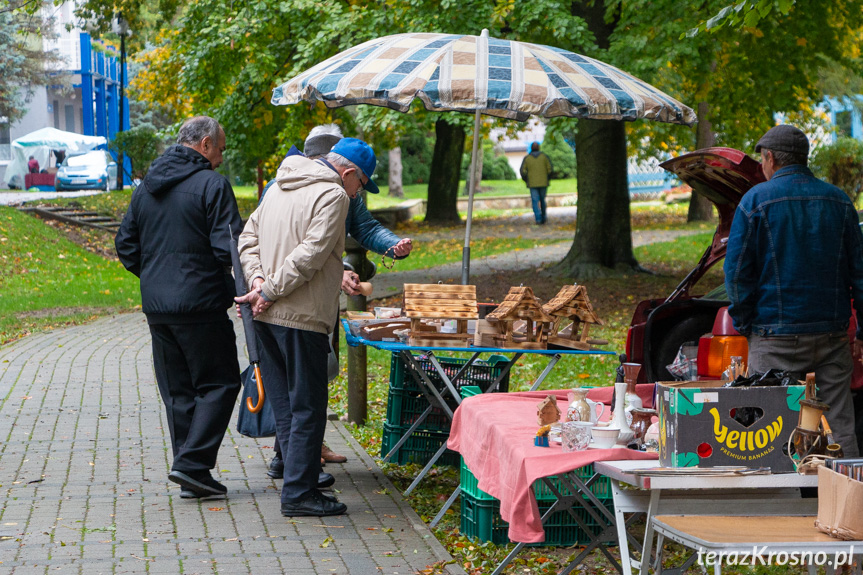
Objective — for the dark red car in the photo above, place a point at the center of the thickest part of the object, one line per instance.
(660, 326)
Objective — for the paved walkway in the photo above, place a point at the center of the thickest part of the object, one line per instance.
(14, 198)
(84, 456)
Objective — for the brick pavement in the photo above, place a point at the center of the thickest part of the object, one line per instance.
(84, 456)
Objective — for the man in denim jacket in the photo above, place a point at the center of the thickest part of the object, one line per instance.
(793, 266)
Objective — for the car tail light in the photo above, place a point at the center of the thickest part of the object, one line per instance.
(715, 352)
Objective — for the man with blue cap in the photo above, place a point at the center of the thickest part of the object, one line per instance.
(363, 228)
(290, 250)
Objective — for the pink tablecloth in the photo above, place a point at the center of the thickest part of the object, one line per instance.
(494, 433)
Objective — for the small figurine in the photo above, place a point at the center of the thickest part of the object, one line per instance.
(541, 439)
(547, 411)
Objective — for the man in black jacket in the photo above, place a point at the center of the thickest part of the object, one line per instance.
(176, 239)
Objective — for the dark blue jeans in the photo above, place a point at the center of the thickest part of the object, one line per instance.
(294, 370)
(537, 200)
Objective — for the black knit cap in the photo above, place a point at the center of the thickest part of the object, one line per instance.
(320, 145)
(784, 138)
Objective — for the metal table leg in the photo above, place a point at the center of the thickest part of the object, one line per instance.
(446, 506)
(581, 497)
(551, 363)
(647, 548)
(424, 383)
(436, 398)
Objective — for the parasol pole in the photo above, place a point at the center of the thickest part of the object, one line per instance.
(465, 252)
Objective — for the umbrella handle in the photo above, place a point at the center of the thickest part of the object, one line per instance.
(259, 383)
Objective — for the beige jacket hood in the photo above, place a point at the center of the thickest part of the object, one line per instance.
(295, 240)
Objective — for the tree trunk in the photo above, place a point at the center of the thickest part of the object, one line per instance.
(477, 171)
(444, 174)
(260, 179)
(700, 208)
(603, 235)
(395, 178)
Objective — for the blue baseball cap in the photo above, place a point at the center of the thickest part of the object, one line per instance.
(360, 154)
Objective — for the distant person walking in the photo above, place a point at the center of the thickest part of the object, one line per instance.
(176, 238)
(536, 171)
(33, 165)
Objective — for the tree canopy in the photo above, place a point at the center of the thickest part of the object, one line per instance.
(224, 58)
(23, 61)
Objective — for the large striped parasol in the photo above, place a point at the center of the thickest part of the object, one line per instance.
(481, 75)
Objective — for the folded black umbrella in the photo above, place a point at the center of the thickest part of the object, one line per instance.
(248, 326)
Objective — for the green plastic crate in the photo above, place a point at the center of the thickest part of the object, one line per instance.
(481, 520)
(405, 406)
(480, 373)
(419, 448)
(601, 487)
(406, 402)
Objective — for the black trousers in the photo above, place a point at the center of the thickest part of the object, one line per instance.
(829, 356)
(294, 370)
(199, 378)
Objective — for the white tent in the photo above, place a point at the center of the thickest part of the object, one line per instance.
(39, 145)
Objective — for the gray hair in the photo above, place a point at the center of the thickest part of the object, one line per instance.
(339, 160)
(782, 159)
(325, 130)
(194, 130)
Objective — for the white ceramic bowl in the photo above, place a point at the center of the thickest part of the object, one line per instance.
(604, 437)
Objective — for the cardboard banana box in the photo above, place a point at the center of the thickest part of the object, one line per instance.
(702, 423)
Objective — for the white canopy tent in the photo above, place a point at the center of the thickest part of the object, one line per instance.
(39, 145)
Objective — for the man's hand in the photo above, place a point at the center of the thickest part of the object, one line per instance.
(350, 283)
(402, 248)
(857, 350)
(258, 303)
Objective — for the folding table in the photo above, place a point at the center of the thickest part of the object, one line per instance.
(437, 398)
(661, 492)
(494, 434)
(757, 540)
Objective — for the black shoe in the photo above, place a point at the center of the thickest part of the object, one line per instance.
(277, 467)
(314, 505)
(201, 483)
(188, 494)
(325, 480)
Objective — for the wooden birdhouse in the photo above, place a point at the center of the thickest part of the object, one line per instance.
(571, 306)
(547, 411)
(519, 321)
(431, 307)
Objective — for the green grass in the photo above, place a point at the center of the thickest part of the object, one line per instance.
(115, 203)
(47, 280)
(420, 191)
(428, 254)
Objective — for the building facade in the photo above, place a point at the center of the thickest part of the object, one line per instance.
(84, 100)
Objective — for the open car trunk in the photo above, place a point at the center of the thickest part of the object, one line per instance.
(659, 327)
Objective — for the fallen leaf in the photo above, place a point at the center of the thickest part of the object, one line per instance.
(326, 542)
(216, 508)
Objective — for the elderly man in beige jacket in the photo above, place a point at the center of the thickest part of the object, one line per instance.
(291, 251)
